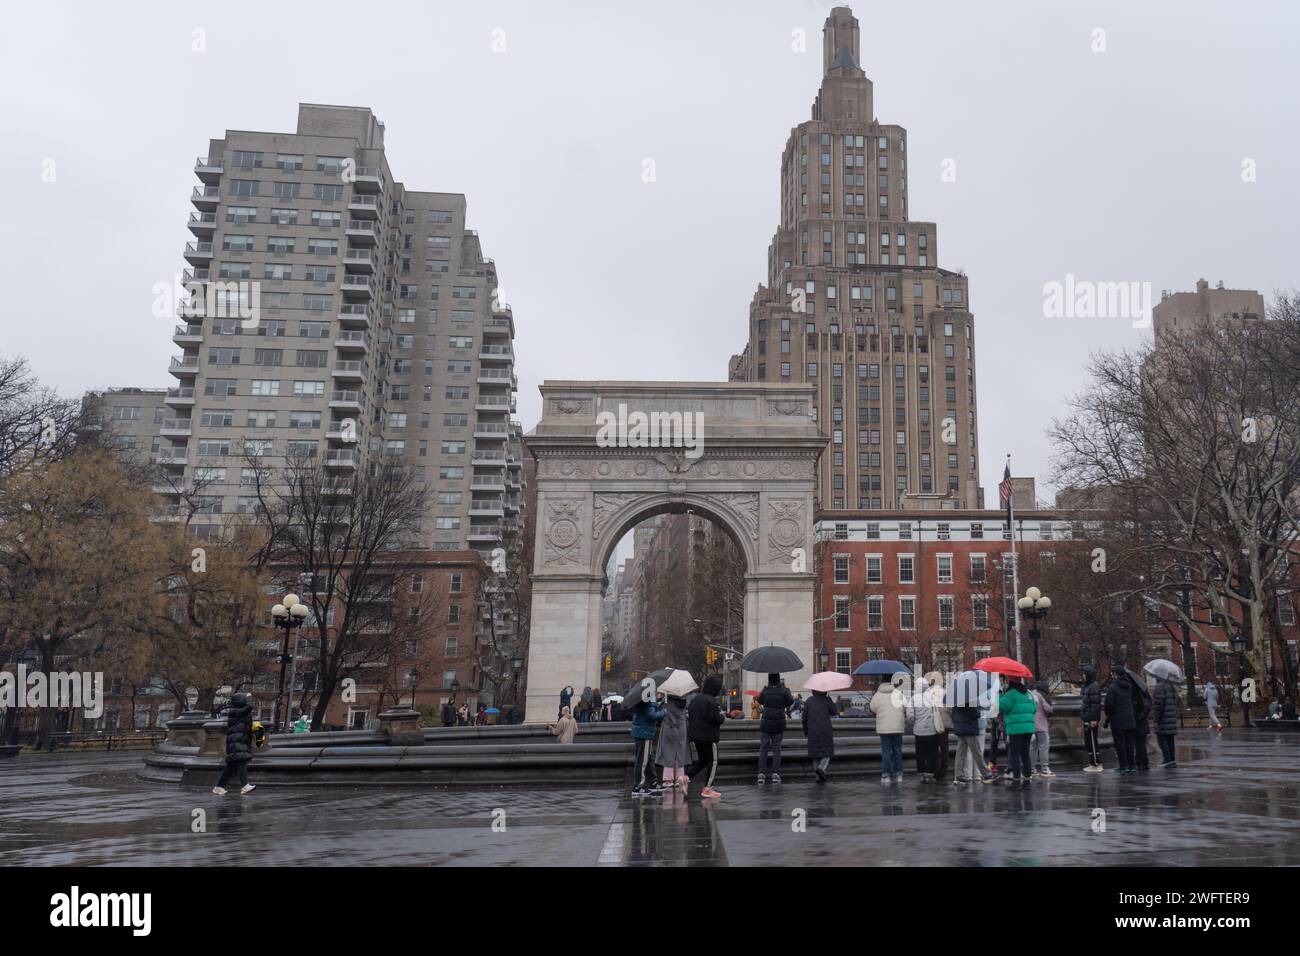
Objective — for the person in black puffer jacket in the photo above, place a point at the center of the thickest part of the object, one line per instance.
(1090, 714)
(1118, 705)
(1164, 712)
(817, 727)
(703, 728)
(774, 699)
(239, 744)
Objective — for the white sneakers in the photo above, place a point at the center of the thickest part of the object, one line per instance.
(248, 788)
(219, 791)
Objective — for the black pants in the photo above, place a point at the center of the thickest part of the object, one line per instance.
(927, 753)
(1090, 745)
(769, 744)
(1018, 749)
(231, 769)
(644, 775)
(1140, 751)
(1166, 742)
(1124, 740)
(708, 758)
(941, 761)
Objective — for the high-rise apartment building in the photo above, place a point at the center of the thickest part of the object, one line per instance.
(378, 329)
(856, 303)
(1206, 307)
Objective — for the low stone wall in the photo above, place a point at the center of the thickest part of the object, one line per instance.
(602, 753)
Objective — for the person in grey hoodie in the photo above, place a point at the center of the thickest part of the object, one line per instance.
(1042, 743)
(674, 752)
(925, 731)
(1212, 705)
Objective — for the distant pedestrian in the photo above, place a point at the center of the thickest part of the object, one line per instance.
(1118, 708)
(1164, 713)
(1090, 714)
(1141, 724)
(302, 725)
(565, 727)
(925, 733)
(1017, 708)
(1212, 705)
(480, 718)
(816, 716)
(1288, 709)
(773, 699)
(942, 724)
(462, 715)
(597, 705)
(796, 709)
(1042, 746)
(969, 765)
(566, 700)
(646, 716)
(755, 709)
(239, 744)
(674, 750)
(448, 714)
(703, 728)
(891, 720)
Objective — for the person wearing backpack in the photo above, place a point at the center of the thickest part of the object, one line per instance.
(239, 744)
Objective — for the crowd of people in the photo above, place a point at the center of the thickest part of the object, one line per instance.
(1003, 735)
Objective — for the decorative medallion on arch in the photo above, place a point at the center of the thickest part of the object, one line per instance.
(751, 468)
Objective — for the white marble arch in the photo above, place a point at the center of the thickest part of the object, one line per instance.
(755, 477)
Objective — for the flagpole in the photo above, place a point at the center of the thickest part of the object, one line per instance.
(1015, 561)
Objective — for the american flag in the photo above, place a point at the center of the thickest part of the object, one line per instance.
(1004, 491)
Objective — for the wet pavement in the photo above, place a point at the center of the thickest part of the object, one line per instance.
(1233, 800)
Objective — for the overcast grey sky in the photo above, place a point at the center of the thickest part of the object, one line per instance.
(1123, 165)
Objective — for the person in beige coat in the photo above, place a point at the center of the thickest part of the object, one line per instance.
(889, 704)
(565, 727)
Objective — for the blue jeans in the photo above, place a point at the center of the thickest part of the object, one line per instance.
(769, 743)
(891, 754)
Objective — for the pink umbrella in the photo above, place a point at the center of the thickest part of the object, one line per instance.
(828, 681)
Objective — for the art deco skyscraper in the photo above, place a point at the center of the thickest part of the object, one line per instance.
(379, 331)
(856, 303)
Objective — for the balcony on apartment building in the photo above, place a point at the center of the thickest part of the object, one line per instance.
(358, 285)
(198, 253)
(195, 277)
(209, 168)
(352, 340)
(352, 371)
(347, 400)
(362, 231)
(203, 224)
(487, 508)
(342, 458)
(365, 207)
(497, 376)
(206, 197)
(188, 335)
(497, 431)
(175, 428)
(368, 179)
(355, 316)
(182, 397)
(484, 532)
(170, 458)
(494, 403)
(496, 353)
(361, 259)
(487, 483)
(184, 366)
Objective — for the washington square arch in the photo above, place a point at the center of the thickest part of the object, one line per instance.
(753, 474)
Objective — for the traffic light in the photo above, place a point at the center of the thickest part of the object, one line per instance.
(710, 656)
(609, 663)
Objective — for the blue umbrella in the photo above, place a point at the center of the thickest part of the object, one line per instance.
(882, 668)
(492, 710)
(970, 689)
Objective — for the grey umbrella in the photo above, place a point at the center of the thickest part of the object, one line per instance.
(771, 659)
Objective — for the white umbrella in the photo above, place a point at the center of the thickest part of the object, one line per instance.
(613, 699)
(1166, 670)
(679, 684)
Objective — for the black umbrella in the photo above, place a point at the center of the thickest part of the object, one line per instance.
(634, 694)
(1140, 683)
(771, 659)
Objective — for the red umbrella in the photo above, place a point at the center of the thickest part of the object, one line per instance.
(1004, 665)
(751, 693)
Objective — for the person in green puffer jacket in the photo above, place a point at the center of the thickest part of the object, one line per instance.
(1017, 708)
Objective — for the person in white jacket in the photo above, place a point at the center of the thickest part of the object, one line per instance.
(1042, 742)
(889, 704)
(927, 721)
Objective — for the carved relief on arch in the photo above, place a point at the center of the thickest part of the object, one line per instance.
(785, 528)
(563, 534)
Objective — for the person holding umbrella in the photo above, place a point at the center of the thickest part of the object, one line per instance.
(816, 715)
(773, 699)
(646, 717)
(674, 751)
(1164, 706)
(963, 696)
(1141, 725)
(890, 708)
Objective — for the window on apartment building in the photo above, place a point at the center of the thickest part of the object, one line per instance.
(875, 613)
(980, 612)
(906, 571)
(841, 614)
(841, 569)
(945, 568)
(907, 613)
(946, 616)
(978, 568)
(874, 575)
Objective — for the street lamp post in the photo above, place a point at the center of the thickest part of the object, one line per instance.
(517, 665)
(288, 615)
(1239, 644)
(1034, 607)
